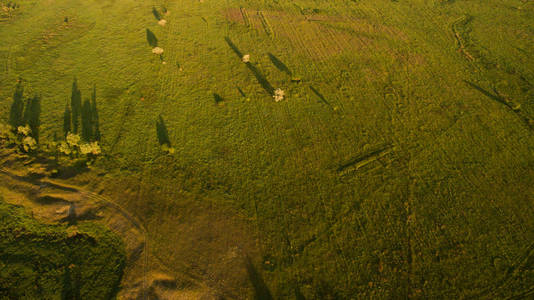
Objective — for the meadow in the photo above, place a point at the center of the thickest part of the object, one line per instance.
(399, 164)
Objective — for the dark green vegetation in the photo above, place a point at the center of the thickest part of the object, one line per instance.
(86, 112)
(25, 112)
(400, 163)
(40, 261)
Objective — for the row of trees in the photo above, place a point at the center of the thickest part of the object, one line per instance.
(85, 113)
(25, 112)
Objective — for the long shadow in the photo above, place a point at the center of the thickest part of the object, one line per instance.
(17, 107)
(156, 13)
(151, 38)
(259, 76)
(279, 64)
(87, 121)
(503, 101)
(321, 97)
(94, 111)
(75, 106)
(261, 291)
(261, 79)
(32, 115)
(233, 47)
(241, 92)
(35, 117)
(163, 133)
(488, 94)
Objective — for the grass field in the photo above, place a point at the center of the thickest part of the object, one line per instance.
(399, 165)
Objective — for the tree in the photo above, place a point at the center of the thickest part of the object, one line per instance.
(17, 107)
(67, 120)
(76, 106)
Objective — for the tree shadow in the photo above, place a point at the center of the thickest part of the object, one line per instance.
(78, 167)
(487, 94)
(496, 97)
(17, 107)
(218, 99)
(151, 38)
(261, 291)
(261, 79)
(321, 97)
(241, 92)
(156, 13)
(87, 121)
(76, 106)
(259, 76)
(163, 133)
(35, 117)
(94, 112)
(32, 115)
(279, 64)
(66, 120)
(233, 47)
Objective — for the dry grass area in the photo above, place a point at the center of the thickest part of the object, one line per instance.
(319, 36)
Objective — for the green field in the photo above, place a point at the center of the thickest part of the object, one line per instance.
(400, 163)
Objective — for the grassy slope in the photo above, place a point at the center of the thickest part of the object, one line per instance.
(40, 261)
(446, 211)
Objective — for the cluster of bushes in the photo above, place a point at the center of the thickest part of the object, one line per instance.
(9, 6)
(7, 9)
